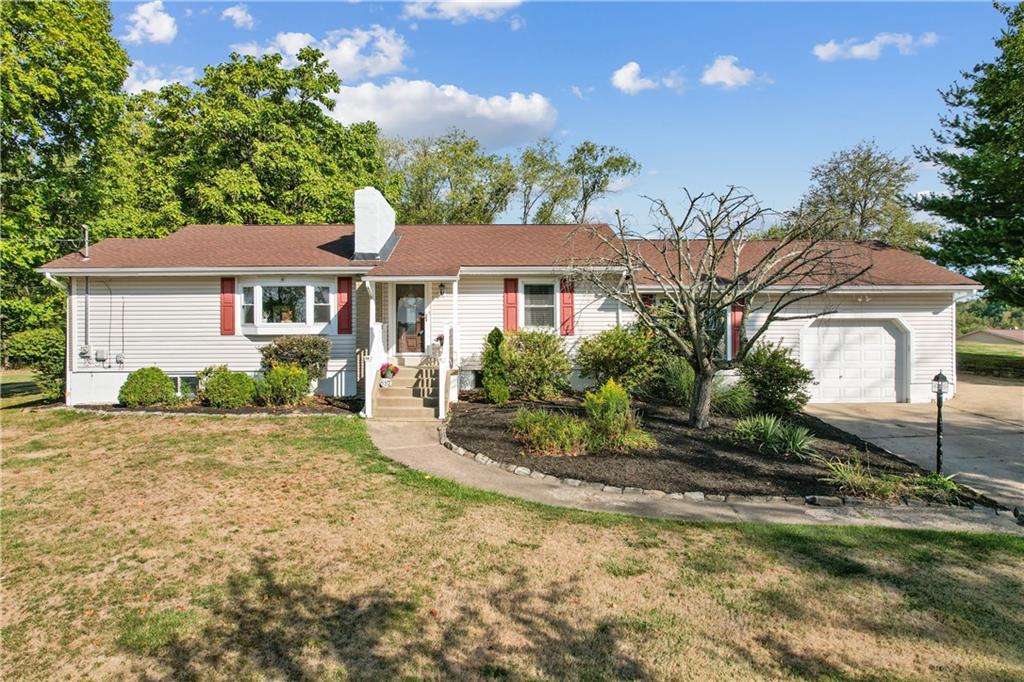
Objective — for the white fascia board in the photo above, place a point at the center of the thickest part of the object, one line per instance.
(531, 270)
(881, 289)
(219, 270)
(410, 278)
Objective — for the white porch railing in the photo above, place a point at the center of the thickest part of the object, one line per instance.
(444, 352)
(375, 357)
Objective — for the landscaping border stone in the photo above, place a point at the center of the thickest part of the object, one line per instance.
(689, 495)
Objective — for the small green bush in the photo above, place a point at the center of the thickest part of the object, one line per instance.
(544, 432)
(854, 478)
(730, 400)
(537, 365)
(42, 350)
(768, 433)
(625, 355)
(145, 387)
(494, 368)
(778, 379)
(227, 389)
(609, 413)
(311, 353)
(203, 376)
(282, 385)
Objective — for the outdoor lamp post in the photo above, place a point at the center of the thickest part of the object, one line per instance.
(939, 385)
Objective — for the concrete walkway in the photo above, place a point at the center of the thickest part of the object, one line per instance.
(415, 444)
(983, 433)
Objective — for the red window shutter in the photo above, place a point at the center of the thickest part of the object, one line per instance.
(227, 306)
(568, 307)
(511, 304)
(344, 305)
(736, 322)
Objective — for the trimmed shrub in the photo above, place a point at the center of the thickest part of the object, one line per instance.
(145, 387)
(203, 377)
(311, 353)
(625, 355)
(544, 432)
(778, 380)
(730, 400)
(537, 365)
(494, 370)
(608, 413)
(282, 385)
(768, 433)
(227, 389)
(43, 351)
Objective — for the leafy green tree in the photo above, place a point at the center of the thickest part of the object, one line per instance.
(450, 179)
(988, 313)
(544, 186)
(861, 193)
(981, 162)
(595, 166)
(60, 87)
(252, 143)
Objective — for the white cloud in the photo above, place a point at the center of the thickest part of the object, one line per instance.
(724, 72)
(352, 53)
(627, 79)
(416, 108)
(239, 16)
(905, 44)
(516, 22)
(581, 91)
(460, 11)
(149, 23)
(142, 77)
(620, 184)
(674, 80)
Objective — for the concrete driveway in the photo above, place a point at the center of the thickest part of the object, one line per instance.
(983, 433)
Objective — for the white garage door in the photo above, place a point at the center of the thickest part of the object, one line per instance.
(853, 361)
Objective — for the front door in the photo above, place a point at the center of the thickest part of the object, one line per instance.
(410, 317)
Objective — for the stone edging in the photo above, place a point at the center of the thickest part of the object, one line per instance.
(692, 496)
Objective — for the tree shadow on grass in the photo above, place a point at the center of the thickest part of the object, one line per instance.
(965, 583)
(268, 627)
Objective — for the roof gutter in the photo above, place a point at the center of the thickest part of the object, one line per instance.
(532, 269)
(211, 270)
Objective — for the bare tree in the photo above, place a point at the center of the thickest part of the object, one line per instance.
(706, 262)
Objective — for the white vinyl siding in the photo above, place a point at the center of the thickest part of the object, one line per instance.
(174, 323)
(481, 309)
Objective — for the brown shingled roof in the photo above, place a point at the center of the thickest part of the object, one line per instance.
(429, 250)
(889, 266)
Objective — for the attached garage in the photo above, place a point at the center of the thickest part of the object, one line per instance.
(856, 361)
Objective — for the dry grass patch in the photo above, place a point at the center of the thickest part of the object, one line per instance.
(199, 548)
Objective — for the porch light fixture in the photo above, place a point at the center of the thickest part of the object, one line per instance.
(940, 384)
(442, 288)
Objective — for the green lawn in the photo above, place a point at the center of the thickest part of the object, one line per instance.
(225, 548)
(990, 358)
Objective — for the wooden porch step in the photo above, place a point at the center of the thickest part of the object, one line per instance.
(385, 401)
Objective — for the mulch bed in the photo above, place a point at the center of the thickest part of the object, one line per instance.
(317, 405)
(686, 459)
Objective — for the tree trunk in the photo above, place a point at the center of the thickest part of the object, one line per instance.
(700, 403)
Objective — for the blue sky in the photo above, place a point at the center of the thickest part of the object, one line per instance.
(703, 95)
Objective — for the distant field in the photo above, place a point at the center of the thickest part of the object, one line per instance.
(990, 358)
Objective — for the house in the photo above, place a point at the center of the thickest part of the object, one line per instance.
(1013, 337)
(427, 295)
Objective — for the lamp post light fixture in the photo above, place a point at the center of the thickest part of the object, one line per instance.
(939, 386)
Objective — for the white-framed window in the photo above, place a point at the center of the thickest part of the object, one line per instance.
(540, 305)
(285, 305)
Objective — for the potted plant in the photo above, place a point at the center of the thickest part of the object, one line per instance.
(387, 370)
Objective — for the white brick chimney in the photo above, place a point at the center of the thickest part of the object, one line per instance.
(375, 225)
